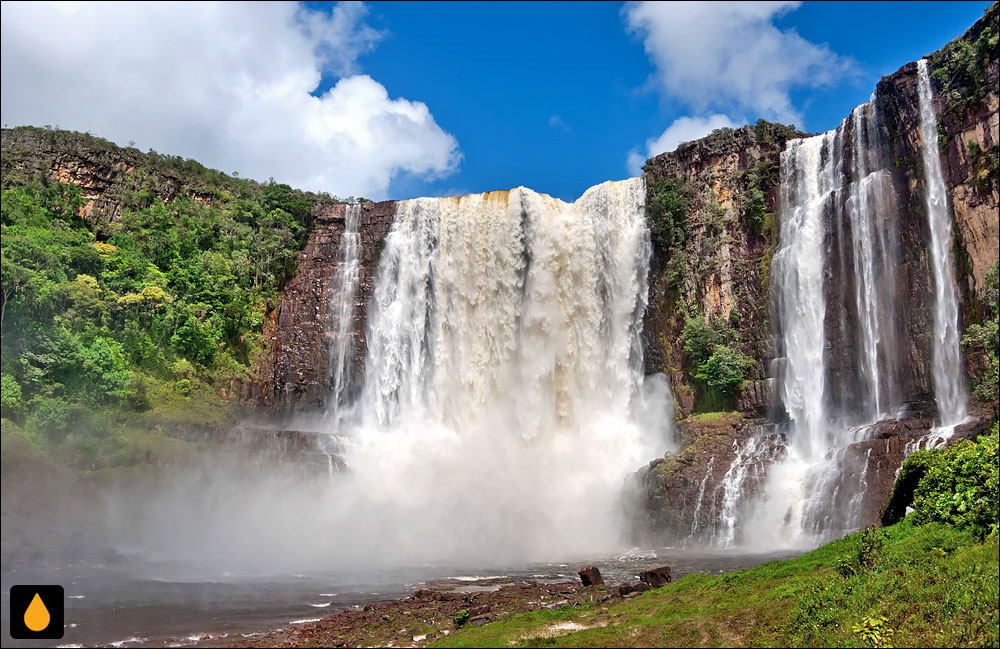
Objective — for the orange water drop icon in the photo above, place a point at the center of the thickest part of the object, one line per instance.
(36, 617)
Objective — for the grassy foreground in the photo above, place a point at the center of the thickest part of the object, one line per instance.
(903, 585)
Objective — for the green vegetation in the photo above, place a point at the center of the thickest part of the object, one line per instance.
(931, 580)
(982, 343)
(756, 182)
(714, 361)
(985, 167)
(958, 485)
(139, 319)
(766, 132)
(668, 203)
(960, 68)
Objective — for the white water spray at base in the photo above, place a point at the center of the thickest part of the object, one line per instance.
(505, 400)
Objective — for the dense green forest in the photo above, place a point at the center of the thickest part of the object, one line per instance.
(116, 324)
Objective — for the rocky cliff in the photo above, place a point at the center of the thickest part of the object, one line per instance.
(295, 375)
(111, 177)
(719, 273)
(718, 268)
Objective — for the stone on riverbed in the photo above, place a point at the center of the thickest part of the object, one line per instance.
(656, 577)
(591, 576)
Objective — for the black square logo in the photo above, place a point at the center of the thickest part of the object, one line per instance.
(36, 612)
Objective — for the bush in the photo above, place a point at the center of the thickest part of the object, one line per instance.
(713, 358)
(960, 485)
(53, 418)
(982, 342)
(865, 553)
(11, 403)
(723, 371)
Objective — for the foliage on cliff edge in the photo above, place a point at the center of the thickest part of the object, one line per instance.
(141, 319)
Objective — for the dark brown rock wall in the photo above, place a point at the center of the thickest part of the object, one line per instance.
(726, 260)
(736, 277)
(295, 375)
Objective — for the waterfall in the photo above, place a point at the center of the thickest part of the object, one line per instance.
(514, 299)
(949, 389)
(504, 399)
(345, 283)
(748, 463)
(811, 177)
(871, 214)
(834, 284)
(701, 498)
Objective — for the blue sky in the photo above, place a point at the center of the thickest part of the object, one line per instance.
(396, 99)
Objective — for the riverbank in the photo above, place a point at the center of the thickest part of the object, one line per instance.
(903, 585)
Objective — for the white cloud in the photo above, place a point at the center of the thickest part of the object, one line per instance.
(228, 84)
(681, 130)
(729, 56)
(557, 122)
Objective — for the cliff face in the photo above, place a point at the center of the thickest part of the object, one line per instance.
(723, 268)
(296, 373)
(109, 176)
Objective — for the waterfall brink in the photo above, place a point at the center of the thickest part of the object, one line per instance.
(949, 389)
(504, 399)
(342, 311)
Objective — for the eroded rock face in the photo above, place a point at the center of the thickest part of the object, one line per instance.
(725, 263)
(723, 267)
(875, 462)
(104, 172)
(681, 497)
(295, 376)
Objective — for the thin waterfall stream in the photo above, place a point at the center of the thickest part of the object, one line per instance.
(949, 388)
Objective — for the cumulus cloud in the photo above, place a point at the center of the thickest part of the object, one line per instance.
(681, 130)
(729, 56)
(229, 84)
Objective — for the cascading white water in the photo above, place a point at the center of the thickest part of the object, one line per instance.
(696, 517)
(949, 388)
(870, 211)
(504, 392)
(811, 178)
(345, 283)
(751, 455)
(830, 179)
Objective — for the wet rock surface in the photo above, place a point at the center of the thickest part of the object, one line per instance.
(432, 612)
(295, 375)
(681, 495)
(591, 576)
(656, 577)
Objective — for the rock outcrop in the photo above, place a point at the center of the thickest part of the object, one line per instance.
(721, 270)
(295, 375)
(721, 273)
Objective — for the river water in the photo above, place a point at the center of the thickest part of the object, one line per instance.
(146, 604)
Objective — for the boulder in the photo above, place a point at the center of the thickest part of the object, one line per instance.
(656, 577)
(626, 589)
(591, 576)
